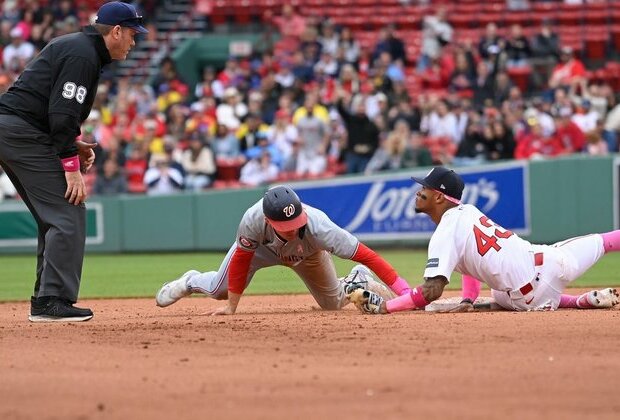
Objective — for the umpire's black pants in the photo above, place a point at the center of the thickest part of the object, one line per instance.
(30, 160)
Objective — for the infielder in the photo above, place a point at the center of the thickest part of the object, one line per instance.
(280, 230)
(522, 276)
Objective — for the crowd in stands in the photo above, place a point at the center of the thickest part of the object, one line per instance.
(323, 101)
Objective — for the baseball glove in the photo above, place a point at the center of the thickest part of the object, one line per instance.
(366, 301)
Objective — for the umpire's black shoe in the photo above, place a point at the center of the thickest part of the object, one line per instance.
(55, 309)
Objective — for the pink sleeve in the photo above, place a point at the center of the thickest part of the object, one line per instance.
(471, 287)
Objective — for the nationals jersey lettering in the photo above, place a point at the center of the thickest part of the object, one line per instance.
(319, 234)
(468, 242)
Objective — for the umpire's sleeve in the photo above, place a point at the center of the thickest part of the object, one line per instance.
(69, 100)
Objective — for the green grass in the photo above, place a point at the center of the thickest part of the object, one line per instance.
(140, 275)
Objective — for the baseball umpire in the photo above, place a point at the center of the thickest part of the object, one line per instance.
(522, 276)
(280, 230)
(40, 118)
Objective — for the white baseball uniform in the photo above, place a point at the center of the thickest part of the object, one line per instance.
(308, 255)
(522, 276)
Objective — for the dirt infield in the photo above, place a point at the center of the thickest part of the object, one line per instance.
(280, 358)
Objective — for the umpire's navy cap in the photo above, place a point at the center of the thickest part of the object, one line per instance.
(119, 13)
(445, 181)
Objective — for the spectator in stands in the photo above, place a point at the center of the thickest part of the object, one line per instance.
(327, 65)
(285, 77)
(114, 150)
(263, 145)
(329, 38)
(290, 24)
(503, 86)
(310, 44)
(166, 75)
(198, 163)
(226, 145)
(313, 133)
(611, 128)
(436, 33)
(441, 122)
(518, 48)
(569, 71)
(47, 27)
(232, 110)
(302, 68)
(337, 138)
(311, 106)
(259, 171)
(5, 32)
(7, 190)
(546, 53)
(162, 178)
(531, 144)
(135, 168)
(283, 133)
(64, 9)
(26, 23)
(472, 149)
(595, 142)
(567, 132)
(349, 46)
(250, 130)
(18, 53)
(207, 86)
(502, 145)
(403, 110)
(391, 44)
(585, 117)
(486, 77)
(111, 180)
(362, 133)
(395, 152)
(540, 112)
(491, 43)
(463, 77)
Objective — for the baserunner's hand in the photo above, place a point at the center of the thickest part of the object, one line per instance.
(224, 310)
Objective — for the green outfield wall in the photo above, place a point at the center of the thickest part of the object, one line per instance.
(567, 197)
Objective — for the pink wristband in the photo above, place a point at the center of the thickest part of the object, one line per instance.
(400, 286)
(71, 164)
(412, 300)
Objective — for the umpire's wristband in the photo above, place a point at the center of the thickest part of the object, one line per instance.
(71, 164)
(467, 300)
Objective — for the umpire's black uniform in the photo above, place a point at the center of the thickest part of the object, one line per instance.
(40, 118)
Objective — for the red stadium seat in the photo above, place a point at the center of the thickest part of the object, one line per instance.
(520, 76)
(596, 45)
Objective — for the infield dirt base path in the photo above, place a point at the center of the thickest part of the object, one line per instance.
(281, 358)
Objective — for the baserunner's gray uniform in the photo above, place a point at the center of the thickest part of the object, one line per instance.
(309, 256)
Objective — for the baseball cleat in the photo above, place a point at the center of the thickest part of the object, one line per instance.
(357, 279)
(174, 290)
(56, 309)
(605, 298)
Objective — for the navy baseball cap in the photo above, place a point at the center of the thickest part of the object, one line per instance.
(119, 13)
(445, 181)
(283, 209)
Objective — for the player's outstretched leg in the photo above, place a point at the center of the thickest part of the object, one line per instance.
(175, 290)
(594, 299)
